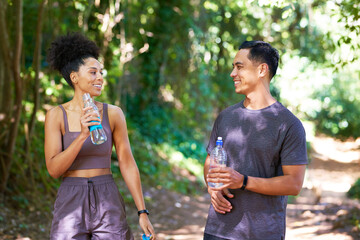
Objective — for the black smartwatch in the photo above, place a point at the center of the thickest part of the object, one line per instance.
(143, 211)
(244, 182)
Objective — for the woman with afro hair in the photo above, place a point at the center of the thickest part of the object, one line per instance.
(88, 204)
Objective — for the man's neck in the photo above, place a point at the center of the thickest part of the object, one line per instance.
(258, 101)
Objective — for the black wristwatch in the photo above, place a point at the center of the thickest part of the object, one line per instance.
(143, 211)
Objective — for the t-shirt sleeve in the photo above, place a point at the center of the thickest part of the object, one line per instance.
(293, 151)
(213, 136)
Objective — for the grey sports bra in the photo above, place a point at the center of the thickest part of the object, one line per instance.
(90, 155)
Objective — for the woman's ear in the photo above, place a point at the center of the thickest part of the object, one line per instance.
(73, 77)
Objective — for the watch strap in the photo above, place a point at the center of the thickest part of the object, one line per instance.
(244, 182)
(143, 211)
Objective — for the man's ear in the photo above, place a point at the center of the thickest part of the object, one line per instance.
(263, 69)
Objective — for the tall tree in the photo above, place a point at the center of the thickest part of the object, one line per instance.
(11, 54)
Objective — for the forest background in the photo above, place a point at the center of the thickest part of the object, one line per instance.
(167, 65)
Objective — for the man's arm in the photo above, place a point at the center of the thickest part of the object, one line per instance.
(288, 184)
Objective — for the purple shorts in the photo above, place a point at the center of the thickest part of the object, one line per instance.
(89, 208)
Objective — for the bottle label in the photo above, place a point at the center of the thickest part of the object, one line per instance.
(92, 128)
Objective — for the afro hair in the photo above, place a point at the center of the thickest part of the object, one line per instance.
(67, 53)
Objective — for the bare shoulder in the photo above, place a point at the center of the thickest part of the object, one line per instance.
(54, 112)
(54, 117)
(115, 113)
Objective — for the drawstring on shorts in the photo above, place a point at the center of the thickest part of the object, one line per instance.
(91, 196)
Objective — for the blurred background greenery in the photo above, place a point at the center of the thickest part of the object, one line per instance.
(167, 66)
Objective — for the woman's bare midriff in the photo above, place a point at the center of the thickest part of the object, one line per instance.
(87, 173)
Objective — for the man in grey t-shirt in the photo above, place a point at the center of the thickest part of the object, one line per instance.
(266, 148)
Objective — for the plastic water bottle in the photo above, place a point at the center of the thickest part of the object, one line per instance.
(97, 133)
(217, 159)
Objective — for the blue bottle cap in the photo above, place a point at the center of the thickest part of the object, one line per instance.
(144, 237)
(219, 141)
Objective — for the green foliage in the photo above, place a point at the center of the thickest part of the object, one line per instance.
(21, 201)
(340, 111)
(354, 191)
(349, 16)
(168, 66)
(177, 158)
(161, 150)
(354, 215)
(291, 199)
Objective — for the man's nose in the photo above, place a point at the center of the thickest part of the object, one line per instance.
(233, 73)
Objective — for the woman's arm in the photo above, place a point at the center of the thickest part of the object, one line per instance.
(58, 161)
(127, 164)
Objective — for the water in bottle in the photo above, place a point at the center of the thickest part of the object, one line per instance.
(97, 132)
(217, 159)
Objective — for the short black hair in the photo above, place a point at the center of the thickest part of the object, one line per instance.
(262, 52)
(67, 53)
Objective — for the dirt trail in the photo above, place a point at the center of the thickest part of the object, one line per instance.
(320, 212)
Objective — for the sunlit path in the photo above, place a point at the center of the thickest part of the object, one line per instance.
(312, 216)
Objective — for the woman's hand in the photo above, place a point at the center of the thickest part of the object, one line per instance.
(88, 118)
(146, 226)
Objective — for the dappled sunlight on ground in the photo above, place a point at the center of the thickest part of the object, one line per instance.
(321, 211)
(187, 232)
(176, 216)
(329, 149)
(314, 213)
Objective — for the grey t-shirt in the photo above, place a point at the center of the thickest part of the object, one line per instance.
(257, 143)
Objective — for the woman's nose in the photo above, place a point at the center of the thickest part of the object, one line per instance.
(99, 75)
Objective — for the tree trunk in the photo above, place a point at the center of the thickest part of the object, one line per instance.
(14, 56)
(5, 82)
(6, 99)
(36, 67)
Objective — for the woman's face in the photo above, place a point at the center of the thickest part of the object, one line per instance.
(89, 78)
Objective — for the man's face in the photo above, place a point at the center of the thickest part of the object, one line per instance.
(245, 73)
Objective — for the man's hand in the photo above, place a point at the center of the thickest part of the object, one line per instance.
(220, 204)
(228, 176)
